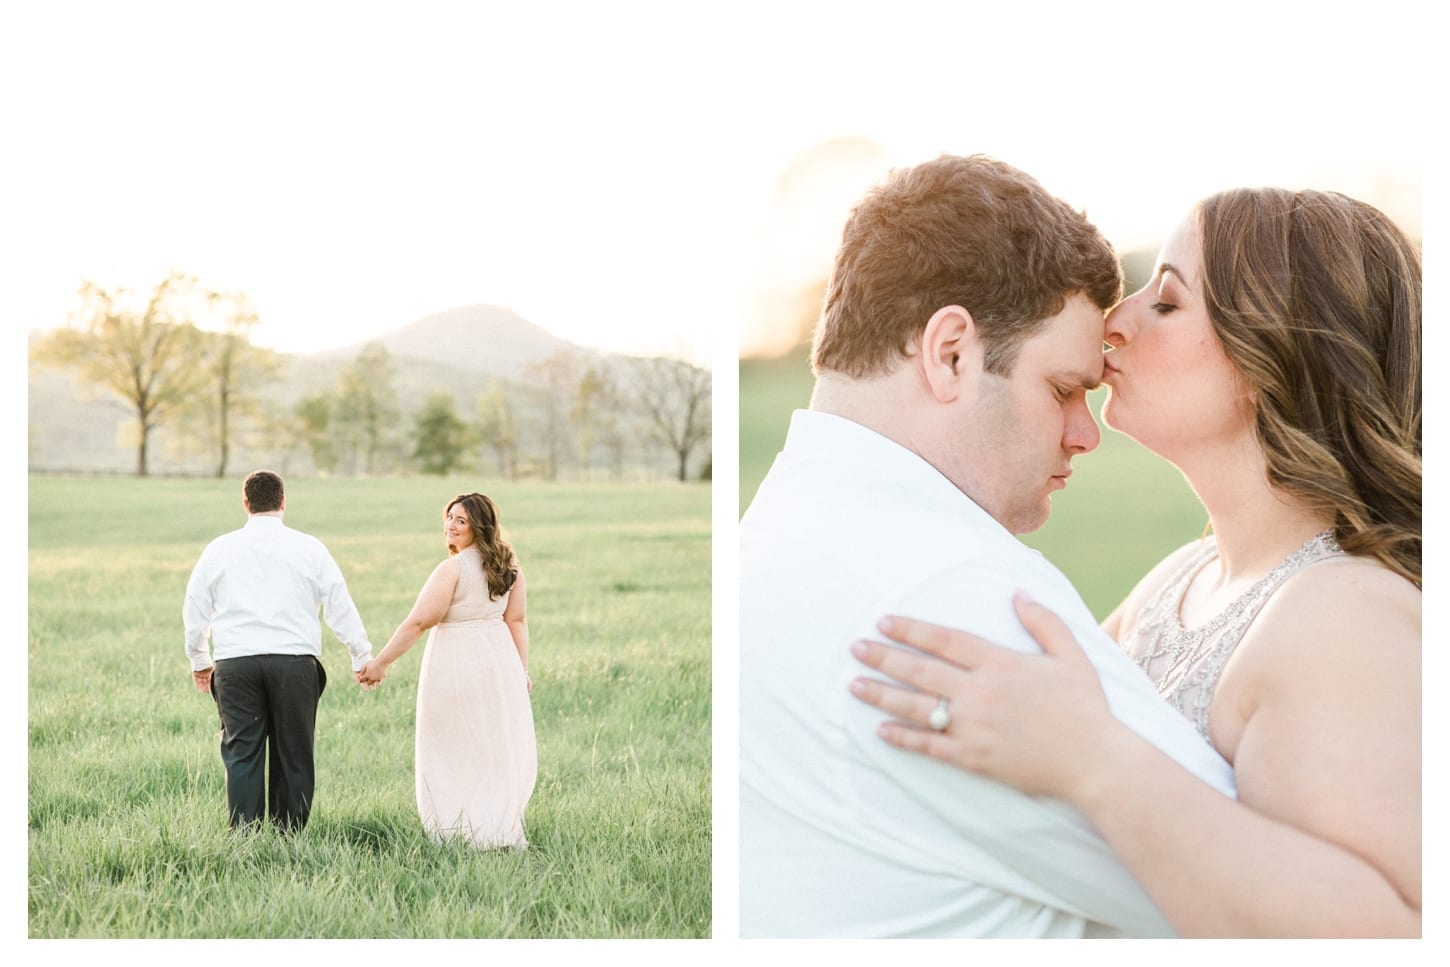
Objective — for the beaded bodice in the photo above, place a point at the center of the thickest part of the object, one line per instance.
(1185, 663)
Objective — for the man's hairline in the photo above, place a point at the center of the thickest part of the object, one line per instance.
(881, 370)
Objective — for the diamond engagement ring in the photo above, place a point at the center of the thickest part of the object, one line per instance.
(939, 718)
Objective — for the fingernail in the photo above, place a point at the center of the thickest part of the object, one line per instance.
(1023, 596)
(858, 687)
(885, 624)
(859, 649)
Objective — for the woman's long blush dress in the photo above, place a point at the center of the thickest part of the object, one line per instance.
(475, 755)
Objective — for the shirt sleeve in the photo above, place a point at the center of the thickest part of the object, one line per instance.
(196, 615)
(340, 613)
(1032, 846)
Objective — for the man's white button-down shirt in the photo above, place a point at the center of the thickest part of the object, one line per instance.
(842, 835)
(257, 591)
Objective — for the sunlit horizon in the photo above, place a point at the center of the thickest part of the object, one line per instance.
(293, 336)
(350, 170)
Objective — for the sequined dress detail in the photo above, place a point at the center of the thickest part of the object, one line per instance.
(1185, 663)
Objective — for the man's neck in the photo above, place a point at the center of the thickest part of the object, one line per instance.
(267, 513)
(893, 406)
(880, 404)
(870, 402)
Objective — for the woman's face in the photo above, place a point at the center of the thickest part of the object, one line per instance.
(456, 528)
(1172, 388)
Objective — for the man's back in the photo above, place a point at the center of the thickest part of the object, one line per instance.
(257, 589)
(266, 561)
(840, 834)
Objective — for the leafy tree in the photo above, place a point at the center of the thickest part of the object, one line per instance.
(147, 350)
(235, 369)
(586, 414)
(674, 397)
(597, 416)
(612, 410)
(496, 427)
(366, 408)
(280, 429)
(442, 436)
(314, 423)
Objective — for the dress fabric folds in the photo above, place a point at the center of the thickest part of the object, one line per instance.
(475, 755)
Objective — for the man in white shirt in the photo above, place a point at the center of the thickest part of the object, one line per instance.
(255, 593)
(962, 330)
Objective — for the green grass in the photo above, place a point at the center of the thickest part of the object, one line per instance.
(127, 814)
(1122, 512)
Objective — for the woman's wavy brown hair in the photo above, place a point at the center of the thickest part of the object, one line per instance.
(1316, 299)
(499, 566)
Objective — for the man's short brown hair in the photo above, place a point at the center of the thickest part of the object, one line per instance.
(971, 232)
(263, 490)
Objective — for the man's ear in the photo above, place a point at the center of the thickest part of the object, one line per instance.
(246, 506)
(950, 353)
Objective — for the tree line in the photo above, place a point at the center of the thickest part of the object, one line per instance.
(181, 355)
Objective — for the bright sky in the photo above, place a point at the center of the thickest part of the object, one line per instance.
(611, 171)
(1131, 111)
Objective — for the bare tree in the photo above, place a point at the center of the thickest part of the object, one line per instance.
(675, 400)
(147, 350)
(558, 375)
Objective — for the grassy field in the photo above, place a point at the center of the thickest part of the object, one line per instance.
(1123, 511)
(127, 815)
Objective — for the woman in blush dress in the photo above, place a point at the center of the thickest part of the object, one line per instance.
(475, 756)
(1274, 358)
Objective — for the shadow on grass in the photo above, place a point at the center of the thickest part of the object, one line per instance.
(374, 834)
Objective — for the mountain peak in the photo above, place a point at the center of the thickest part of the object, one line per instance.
(489, 339)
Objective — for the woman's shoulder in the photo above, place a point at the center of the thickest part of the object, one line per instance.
(1348, 592)
(1341, 634)
(1336, 618)
(449, 567)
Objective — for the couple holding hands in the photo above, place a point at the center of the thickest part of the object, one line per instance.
(254, 595)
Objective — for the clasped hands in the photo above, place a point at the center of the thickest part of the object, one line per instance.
(369, 676)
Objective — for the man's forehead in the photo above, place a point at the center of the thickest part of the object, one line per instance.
(1070, 345)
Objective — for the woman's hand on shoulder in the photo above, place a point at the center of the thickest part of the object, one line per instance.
(1039, 723)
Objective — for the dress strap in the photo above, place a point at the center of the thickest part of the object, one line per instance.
(1185, 664)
